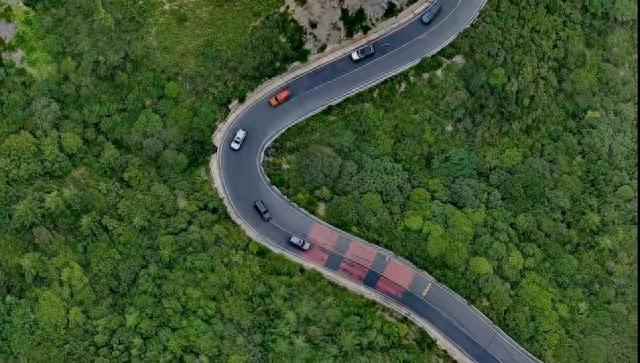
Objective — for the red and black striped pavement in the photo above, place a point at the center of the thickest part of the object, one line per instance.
(379, 270)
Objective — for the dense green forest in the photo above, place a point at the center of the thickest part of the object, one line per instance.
(510, 177)
(113, 244)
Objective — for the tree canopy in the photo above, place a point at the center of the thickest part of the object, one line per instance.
(506, 167)
(113, 244)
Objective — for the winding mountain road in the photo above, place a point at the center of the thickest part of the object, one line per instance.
(241, 181)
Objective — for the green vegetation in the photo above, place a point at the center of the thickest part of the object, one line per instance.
(113, 245)
(391, 10)
(511, 178)
(354, 23)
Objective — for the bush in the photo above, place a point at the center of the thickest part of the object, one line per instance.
(354, 23)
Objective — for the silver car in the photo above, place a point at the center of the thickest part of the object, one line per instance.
(238, 139)
(299, 242)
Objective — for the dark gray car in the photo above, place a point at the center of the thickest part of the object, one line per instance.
(262, 209)
(431, 12)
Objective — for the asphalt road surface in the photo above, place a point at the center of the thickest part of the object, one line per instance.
(382, 272)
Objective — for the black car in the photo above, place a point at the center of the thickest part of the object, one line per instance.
(431, 12)
(262, 209)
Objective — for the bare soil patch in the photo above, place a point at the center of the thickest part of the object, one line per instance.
(321, 18)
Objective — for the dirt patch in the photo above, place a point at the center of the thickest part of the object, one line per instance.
(234, 104)
(321, 18)
(321, 209)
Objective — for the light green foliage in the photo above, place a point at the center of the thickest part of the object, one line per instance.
(413, 220)
(510, 158)
(71, 143)
(50, 313)
(419, 197)
(171, 89)
(520, 165)
(20, 161)
(480, 266)
(498, 77)
(112, 245)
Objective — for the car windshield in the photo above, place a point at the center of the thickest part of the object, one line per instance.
(365, 50)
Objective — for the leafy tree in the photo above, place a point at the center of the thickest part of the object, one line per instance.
(498, 77)
(480, 266)
(413, 221)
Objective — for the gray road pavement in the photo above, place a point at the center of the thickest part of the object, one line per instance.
(244, 181)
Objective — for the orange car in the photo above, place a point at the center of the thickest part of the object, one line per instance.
(280, 97)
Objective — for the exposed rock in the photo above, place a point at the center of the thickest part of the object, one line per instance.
(458, 60)
(321, 18)
(7, 30)
(15, 56)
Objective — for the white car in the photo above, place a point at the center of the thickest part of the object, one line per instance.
(363, 52)
(238, 139)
